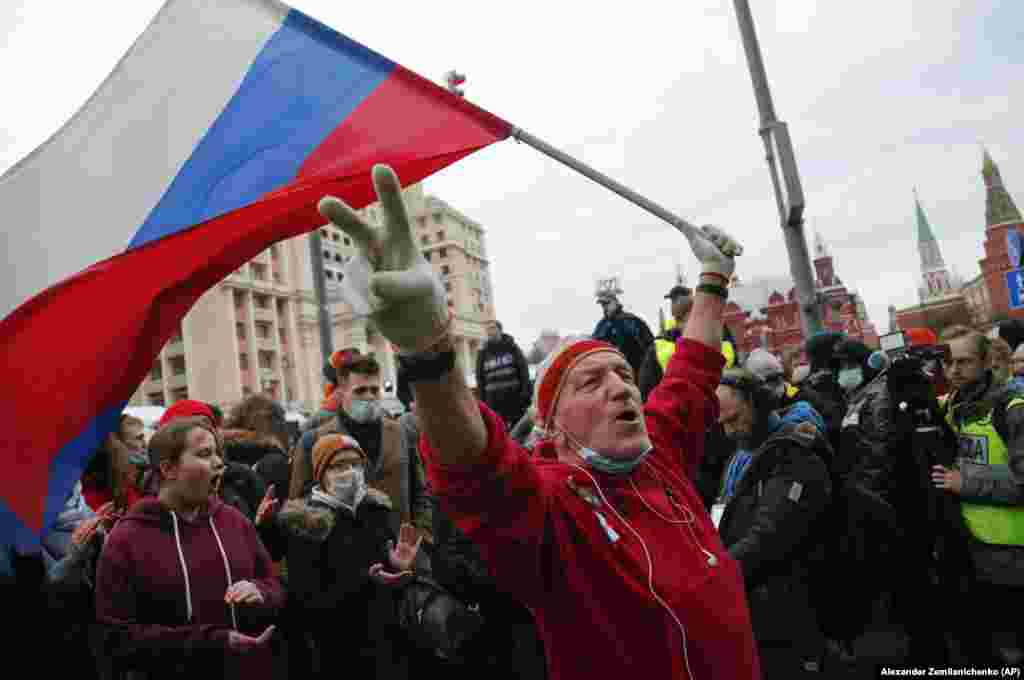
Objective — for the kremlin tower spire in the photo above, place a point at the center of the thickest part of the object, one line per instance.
(999, 206)
(933, 267)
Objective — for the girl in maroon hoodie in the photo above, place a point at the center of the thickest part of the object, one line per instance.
(184, 584)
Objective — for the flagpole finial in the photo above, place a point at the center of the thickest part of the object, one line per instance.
(452, 81)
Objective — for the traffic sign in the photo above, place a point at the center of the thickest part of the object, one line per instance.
(1015, 286)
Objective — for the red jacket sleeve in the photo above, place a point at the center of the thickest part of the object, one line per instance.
(684, 405)
(116, 608)
(499, 502)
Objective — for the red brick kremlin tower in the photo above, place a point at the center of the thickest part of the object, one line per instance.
(1001, 215)
(765, 313)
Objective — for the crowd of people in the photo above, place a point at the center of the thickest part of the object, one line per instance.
(657, 505)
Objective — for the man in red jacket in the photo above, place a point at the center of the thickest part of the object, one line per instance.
(601, 532)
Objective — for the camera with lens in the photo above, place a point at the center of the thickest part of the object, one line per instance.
(912, 373)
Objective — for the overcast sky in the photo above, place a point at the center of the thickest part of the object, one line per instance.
(880, 97)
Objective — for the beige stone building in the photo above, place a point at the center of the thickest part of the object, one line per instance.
(257, 331)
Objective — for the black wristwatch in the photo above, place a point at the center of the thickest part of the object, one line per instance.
(426, 366)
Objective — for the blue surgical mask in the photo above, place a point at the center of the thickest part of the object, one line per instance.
(849, 378)
(364, 411)
(613, 466)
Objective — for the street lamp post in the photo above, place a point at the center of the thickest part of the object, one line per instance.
(789, 196)
(323, 313)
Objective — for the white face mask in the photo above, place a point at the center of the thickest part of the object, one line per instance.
(350, 488)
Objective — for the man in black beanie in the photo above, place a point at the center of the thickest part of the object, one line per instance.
(823, 380)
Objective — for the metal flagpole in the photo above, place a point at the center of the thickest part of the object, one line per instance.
(790, 205)
(452, 81)
(604, 180)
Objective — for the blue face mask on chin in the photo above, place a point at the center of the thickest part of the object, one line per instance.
(613, 466)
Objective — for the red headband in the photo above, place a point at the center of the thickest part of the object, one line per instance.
(554, 376)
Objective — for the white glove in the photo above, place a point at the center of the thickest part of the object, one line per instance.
(389, 279)
(714, 249)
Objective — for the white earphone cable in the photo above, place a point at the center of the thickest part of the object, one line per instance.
(650, 569)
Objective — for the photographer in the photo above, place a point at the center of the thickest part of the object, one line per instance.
(884, 499)
(988, 419)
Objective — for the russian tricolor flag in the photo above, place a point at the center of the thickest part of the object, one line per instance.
(214, 137)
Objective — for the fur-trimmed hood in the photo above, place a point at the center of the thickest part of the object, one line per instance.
(312, 520)
(248, 447)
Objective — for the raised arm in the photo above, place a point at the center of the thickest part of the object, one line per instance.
(390, 281)
(683, 404)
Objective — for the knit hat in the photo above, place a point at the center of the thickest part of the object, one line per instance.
(763, 364)
(919, 337)
(552, 373)
(820, 346)
(184, 409)
(327, 448)
(852, 351)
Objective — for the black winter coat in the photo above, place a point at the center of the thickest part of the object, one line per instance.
(352, 619)
(503, 376)
(629, 333)
(773, 527)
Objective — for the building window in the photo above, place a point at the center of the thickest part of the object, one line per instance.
(262, 330)
(446, 270)
(443, 252)
(261, 301)
(283, 335)
(440, 236)
(448, 287)
(259, 271)
(243, 361)
(424, 239)
(156, 399)
(273, 253)
(178, 365)
(246, 391)
(266, 359)
(240, 331)
(239, 299)
(156, 373)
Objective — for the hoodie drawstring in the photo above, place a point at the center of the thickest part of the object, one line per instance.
(227, 569)
(184, 568)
